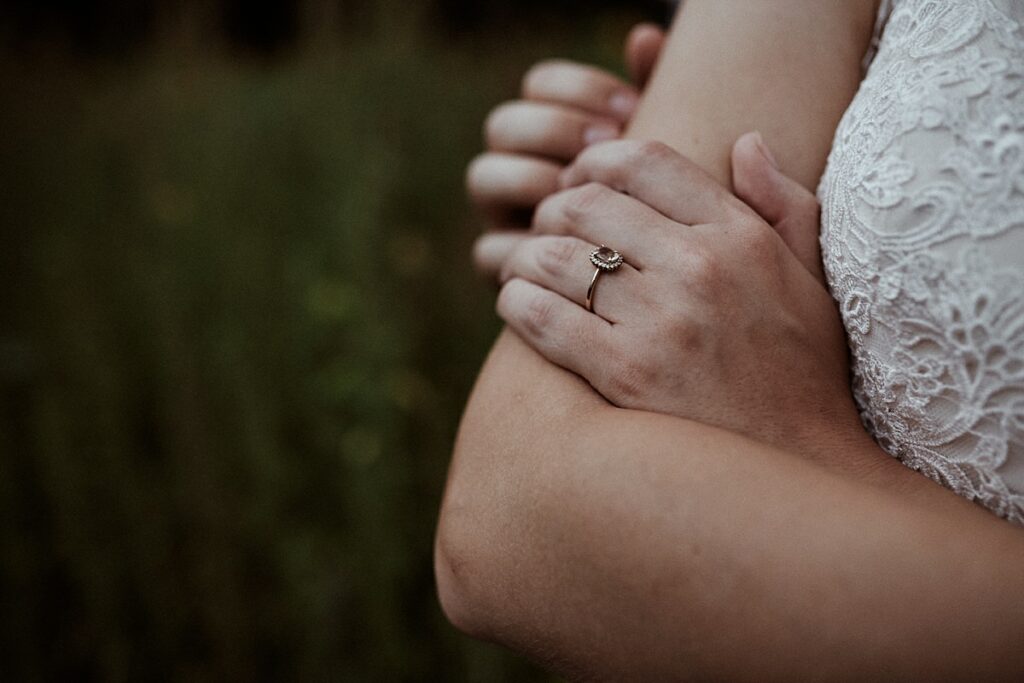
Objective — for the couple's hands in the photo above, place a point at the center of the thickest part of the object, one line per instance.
(718, 315)
(564, 108)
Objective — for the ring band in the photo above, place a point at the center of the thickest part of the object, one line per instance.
(605, 259)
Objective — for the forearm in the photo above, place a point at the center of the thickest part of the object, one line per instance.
(645, 547)
(618, 544)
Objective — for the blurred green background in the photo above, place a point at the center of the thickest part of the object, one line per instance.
(238, 326)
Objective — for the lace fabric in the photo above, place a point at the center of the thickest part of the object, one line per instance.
(923, 243)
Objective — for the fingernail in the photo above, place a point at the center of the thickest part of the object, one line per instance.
(765, 152)
(600, 133)
(623, 103)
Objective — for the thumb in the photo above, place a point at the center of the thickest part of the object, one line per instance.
(781, 201)
(643, 47)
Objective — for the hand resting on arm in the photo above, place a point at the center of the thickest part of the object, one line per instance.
(711, 317)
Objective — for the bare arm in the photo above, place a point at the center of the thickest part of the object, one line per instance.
(645, 547)
(787, 68)
(613, 542)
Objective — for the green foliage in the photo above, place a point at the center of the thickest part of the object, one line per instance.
(237, 331)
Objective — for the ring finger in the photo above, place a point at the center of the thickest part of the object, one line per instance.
(598, 214)
(562, 265)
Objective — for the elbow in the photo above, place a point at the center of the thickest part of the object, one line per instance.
(460, 579)
(455, 550)
(479, 546)
(497, 512)
(460, 604)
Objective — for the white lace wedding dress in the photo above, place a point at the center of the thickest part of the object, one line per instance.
(923, 243)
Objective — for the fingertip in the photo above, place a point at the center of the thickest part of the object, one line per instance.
(643, 46)
(751, 147)
(623, 103)
(600, 132)
(753, 169)
(493, 251)
(505, 306)
(646, 31)
(472, 175)
(485, 258)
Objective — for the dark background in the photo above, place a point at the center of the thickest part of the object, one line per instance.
(238, 326)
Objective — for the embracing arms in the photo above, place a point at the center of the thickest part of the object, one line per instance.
(616, 543)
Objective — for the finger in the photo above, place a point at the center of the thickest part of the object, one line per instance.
(493, 248)
(643, 48)
(497, 181)
(562, 265)
(581, 86)
(557, 328)
(790, 207)
(658, 176)
(600, 215)
(544, 129)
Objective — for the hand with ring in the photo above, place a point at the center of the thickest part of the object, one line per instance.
(714, 314)
(565, 107)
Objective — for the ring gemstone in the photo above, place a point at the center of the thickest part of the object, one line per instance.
(606, 258)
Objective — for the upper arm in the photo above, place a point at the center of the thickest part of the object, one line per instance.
(787, 68)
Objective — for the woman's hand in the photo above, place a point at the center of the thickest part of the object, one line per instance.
(564, 108)
(716, 316)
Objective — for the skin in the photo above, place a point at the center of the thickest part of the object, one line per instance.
(707, 282)
(565, 107)
(611, 543)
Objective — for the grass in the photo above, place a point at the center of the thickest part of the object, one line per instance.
(237, 331)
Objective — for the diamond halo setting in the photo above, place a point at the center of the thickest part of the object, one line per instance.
(606, 258)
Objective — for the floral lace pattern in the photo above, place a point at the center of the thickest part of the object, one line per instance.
(923, 243)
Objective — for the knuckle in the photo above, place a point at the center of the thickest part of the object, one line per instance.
(508, 269)
(538, 314)
(687, 334)
(532, 312)
(629, 380)
(703, 268)
(547, 214)
(617, 162)
(556, 254)
(581, 201)
(646, 151)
